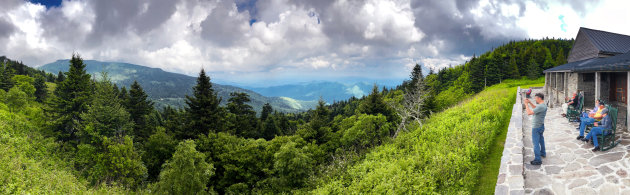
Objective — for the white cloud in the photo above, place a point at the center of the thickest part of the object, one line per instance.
(371, 38)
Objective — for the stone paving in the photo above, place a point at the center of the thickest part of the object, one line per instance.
(570, 166)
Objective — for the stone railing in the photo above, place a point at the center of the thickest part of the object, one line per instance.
(510, 179)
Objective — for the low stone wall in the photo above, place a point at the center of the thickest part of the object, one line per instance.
(510, 179)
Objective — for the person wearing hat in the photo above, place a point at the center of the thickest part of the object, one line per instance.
(605, 123)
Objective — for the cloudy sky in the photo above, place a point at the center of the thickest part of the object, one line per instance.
(281, 41)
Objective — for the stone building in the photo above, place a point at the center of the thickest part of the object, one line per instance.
(598, 66)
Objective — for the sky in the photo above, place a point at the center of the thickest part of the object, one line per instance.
(268, 42)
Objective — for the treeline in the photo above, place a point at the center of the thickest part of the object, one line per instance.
(115, 137)
(513, 60)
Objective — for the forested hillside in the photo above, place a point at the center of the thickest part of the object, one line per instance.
(510, 61)
(77, 134)
(169, 89)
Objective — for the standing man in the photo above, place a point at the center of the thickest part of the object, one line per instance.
(538, 126)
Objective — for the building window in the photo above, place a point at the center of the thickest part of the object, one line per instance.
(588, 77)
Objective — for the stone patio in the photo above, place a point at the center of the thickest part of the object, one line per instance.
(571, 167)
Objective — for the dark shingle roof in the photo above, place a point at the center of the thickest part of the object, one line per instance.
(608, 42)
(615, 63)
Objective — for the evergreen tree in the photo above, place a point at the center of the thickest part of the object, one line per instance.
(533, 70)
(72, 97)
(123, 95)
(244, 123)
(41, 91)
(266, 111)
(269, 129)
(513, 69)
(139, 106)
(493, 72)
(560, 58)
(416, 74)
(105, 116)
(318, 128)
(106, 153)
(477, 75)
(549, 62)
(60, 77)
(374, 104)
(187, 172)
(203, 109)
(6, 77)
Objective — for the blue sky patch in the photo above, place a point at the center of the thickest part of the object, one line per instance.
(564, 25)
(47, 3)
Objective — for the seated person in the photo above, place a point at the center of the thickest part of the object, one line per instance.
(584, 121)
(606, 123)
(573, 102)
(591, 112)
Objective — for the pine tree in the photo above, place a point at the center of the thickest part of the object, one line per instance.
(533, 70)
(41, 92)
(244, 123)
(493, 72)
(139, 106)
(560, 58)
(60, 77)
(549, 62)
(106, 115)
(72, 97)
(6, 77)
(477, 75)
(270, 129)
(374, 104)
(513, 68)
(266, 111)
(416, 74)
(203, 109)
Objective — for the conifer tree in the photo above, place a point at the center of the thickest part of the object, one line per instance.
(477, 75)
(72, 97)
(6, 77)
(203, 109)
(244, 123)
(513, 68)
(41, 92)
(139, 106)
(533, 70)
(266, 111)
(560, 58)
(374, 104)
(60, 77)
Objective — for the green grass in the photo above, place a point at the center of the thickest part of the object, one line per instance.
(490, 167)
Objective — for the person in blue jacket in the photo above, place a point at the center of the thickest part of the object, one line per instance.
(605, 123)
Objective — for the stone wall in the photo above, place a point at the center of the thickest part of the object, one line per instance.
(586, 83)
(510, 179)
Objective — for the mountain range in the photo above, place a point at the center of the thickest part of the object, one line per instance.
(328, 91)
(167, 88)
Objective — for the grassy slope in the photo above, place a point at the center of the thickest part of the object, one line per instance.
(32, 163)
(444, 156)
(490, 167)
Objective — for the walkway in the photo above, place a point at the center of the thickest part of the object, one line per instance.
(571, 167)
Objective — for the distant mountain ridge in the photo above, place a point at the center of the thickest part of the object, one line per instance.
(167, 88)
(328, 91)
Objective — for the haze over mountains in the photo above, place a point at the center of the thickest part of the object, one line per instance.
(167, 88)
